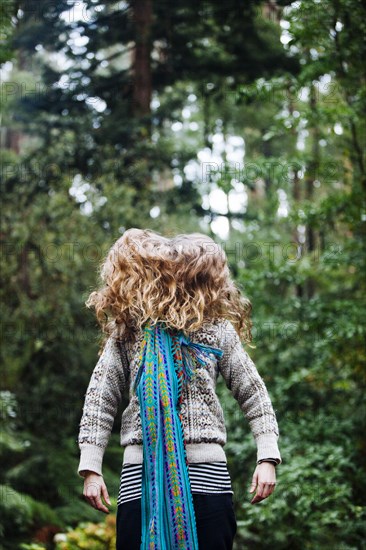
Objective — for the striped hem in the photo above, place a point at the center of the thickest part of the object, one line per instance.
(205, 477)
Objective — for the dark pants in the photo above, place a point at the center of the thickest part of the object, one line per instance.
(215, 521)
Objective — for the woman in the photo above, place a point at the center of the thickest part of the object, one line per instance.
(173, 320)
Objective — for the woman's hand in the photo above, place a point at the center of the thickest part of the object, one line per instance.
(264, 479)
(94, 488)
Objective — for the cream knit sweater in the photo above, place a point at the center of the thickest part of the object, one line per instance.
(202, 414)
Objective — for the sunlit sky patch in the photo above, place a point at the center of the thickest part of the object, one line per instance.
(283, 207)
(220, 226)
(86, 195)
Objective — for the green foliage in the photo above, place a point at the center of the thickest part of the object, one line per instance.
(7, 9)
(312, 506)
(21, 514)
(32, 546)
(98, 536)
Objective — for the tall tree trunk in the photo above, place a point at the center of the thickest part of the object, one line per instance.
(296, 195)
(206, 117)
(267, 153)
(142, 79)
(142, 15)
(311, 175)
(12, 137)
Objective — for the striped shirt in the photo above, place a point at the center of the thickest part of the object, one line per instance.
(205, 477)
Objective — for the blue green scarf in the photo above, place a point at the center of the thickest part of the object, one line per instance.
(166, 361)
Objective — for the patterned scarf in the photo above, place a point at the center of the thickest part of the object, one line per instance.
(166, 361)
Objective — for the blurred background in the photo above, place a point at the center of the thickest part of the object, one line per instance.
(241, 120)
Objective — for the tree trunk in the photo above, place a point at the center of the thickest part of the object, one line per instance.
(312, 171)
(142, 79)
(296, 195)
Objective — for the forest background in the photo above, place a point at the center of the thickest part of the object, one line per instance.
(241, 120)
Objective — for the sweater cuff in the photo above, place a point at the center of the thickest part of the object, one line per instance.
(91, 458)
(267, 447)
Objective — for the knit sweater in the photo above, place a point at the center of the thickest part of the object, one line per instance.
(202, 415)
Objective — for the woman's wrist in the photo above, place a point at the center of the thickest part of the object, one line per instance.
(271, 460)
(85, 473)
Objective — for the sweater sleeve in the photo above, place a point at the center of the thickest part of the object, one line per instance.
(243, 380)
(102, 398)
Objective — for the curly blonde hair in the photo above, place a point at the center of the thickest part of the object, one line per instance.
(181, 282)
